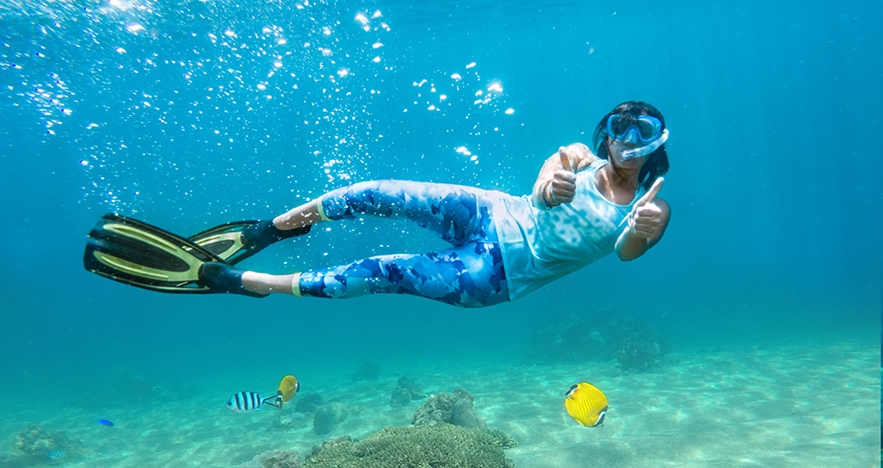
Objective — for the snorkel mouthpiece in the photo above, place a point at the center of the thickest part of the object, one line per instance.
(645, 150)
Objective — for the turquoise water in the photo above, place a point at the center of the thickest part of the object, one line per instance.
(191, 114)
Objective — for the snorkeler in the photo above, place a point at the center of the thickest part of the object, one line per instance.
(582, 208)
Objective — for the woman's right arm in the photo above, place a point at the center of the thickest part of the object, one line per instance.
(556, 184)
(540, 195)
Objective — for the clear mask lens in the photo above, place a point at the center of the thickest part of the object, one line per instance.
(636, 130)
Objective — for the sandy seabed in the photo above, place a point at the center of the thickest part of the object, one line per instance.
(773, 406)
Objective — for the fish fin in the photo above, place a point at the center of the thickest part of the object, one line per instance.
(274, 401)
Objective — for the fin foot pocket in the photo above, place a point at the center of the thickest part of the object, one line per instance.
(239, 240)
(223, 278)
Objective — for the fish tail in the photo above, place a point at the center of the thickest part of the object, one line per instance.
(275, 400)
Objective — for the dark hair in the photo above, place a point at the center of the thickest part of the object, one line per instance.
(657, 163)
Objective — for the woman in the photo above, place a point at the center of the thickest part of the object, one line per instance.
(583, 207)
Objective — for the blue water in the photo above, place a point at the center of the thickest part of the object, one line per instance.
(198, 113)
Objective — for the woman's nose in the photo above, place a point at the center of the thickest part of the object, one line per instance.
(626, 144)
(630, 137)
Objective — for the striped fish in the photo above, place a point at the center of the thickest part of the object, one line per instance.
(56, 454)
(248, 401)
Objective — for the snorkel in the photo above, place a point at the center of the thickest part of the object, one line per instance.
(645, 150)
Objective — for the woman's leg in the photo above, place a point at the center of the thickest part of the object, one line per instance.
(458, 214)
(468, 276)
(302, 216)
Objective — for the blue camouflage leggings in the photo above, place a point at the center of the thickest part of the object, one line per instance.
(470, 274)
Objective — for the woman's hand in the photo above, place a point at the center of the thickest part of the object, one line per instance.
(561, 188)
(645, 220)
(646, 224)
(556, 183)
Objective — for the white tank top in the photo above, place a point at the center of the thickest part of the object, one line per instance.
(541, 246)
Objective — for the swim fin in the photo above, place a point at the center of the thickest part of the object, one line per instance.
(138, 254)
(225, 241)
(236, 241)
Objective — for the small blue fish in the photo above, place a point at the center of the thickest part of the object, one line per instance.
(105, 422)
(56, 454)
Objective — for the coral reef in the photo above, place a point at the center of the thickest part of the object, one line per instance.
(290, 421)
(33, 440)
(124, 386)
(448, 408)
(329, 416)
(638, 356)
(501, 438)
(463, 415)
(33, 445)
(400, 397)
(329, 443)
(366, 371)
(405, 392)
(636, 345)
(274, 459)
(437, 446)
(308, 403)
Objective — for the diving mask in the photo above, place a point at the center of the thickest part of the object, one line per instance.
(644, 130)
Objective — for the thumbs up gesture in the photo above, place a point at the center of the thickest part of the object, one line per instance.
(562, 187)
(645, 218)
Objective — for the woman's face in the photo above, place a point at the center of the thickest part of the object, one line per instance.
(617, 147)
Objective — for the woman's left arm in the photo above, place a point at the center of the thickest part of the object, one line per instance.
(646, 226)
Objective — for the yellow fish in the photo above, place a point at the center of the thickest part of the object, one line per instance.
(586, 404)
(287, 388)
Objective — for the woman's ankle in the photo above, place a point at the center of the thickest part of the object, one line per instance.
(263, 283)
